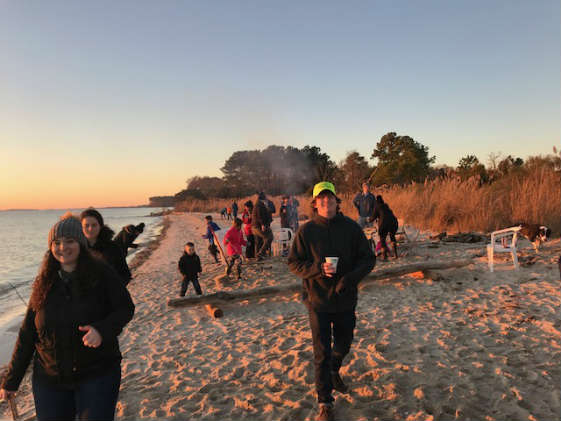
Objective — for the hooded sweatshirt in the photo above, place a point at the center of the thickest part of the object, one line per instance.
(233, 240)
(336, 237)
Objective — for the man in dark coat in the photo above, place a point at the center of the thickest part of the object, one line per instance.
(261, 219)
(364, 202)
(331, 254)
(387, 224)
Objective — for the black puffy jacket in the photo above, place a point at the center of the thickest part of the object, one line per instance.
(51, 337)
(113, 255)
(189, 265)
(337, 237)
(261, 216)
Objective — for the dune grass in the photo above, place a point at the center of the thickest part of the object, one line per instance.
(451, 204)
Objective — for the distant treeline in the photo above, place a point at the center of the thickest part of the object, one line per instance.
(400, 161)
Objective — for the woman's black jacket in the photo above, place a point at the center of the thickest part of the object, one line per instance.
(113, 255)
(51, 337)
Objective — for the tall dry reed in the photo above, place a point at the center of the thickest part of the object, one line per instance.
(451, 204)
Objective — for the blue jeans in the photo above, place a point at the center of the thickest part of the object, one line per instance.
(92, 399)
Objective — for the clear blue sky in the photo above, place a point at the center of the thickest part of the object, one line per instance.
(132, 98)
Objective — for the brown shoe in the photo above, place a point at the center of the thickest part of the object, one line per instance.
(338, 383)
(325, 412)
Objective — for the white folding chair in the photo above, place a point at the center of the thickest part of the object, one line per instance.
(282, 239)
(503, 241)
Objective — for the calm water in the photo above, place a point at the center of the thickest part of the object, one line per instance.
(24, 242)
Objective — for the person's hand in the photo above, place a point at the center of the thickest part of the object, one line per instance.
(92, 338)
(340, 287)
(6, 394)
(328, 269)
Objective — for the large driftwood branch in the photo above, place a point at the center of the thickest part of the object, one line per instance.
(226, 296)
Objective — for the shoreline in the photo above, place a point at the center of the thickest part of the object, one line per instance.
(143, 255)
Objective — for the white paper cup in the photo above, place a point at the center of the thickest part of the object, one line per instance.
(333, 261)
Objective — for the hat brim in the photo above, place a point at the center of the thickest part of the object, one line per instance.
(325, 191)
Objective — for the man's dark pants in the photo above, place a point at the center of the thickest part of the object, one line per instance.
(185, 284)
(250, 246)
(328, 358)
(263, 240)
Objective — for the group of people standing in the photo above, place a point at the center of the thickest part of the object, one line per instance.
(252, 231)
(79, 304)
(372, 208)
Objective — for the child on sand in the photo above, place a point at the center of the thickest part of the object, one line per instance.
(190, 266)
(211, 227)
(233, 240)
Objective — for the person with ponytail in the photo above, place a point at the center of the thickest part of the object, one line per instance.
(77, 309)
(99, 238)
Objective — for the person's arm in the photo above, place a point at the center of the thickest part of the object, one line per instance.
(362, 266)
(200, 269)
(121, 264)
(180, 266)
(356, 201)
(23, 352)
(300, 261)
(375, 214)
(122, 309)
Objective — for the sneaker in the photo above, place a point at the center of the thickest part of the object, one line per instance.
(338, 383)
(325, 412)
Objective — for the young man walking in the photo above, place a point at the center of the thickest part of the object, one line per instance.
(331, 254)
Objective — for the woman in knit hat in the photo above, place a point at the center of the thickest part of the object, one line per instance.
(77, 308)
(99, 238)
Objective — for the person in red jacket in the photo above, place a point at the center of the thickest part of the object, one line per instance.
(234, 240)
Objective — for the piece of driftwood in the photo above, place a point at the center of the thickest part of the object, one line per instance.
(217, 241)
(226, 296)
(13, 407)
(214, 311)
(466, 237)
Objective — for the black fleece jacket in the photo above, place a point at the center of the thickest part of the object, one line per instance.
(337, 237)
(51, 337)
(190, 265)
(113, 255)
(261, 215)
(387, 222)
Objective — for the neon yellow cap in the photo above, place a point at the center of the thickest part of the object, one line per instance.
(322, 186)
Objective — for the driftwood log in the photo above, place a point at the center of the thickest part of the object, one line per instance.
(13, 407)
(228, 296)
(214, 311)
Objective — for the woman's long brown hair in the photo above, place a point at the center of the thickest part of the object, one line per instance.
(87, 269)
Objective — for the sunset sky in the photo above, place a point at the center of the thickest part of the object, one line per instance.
(108, 103)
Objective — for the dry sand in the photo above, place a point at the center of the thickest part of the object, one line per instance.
(467, 344)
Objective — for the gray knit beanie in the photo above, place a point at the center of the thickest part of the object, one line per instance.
(70, 227)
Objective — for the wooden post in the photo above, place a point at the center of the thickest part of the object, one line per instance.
(217, 241)
(214, 311)
(13, 407)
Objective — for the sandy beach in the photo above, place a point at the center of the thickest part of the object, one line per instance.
(460, 344)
